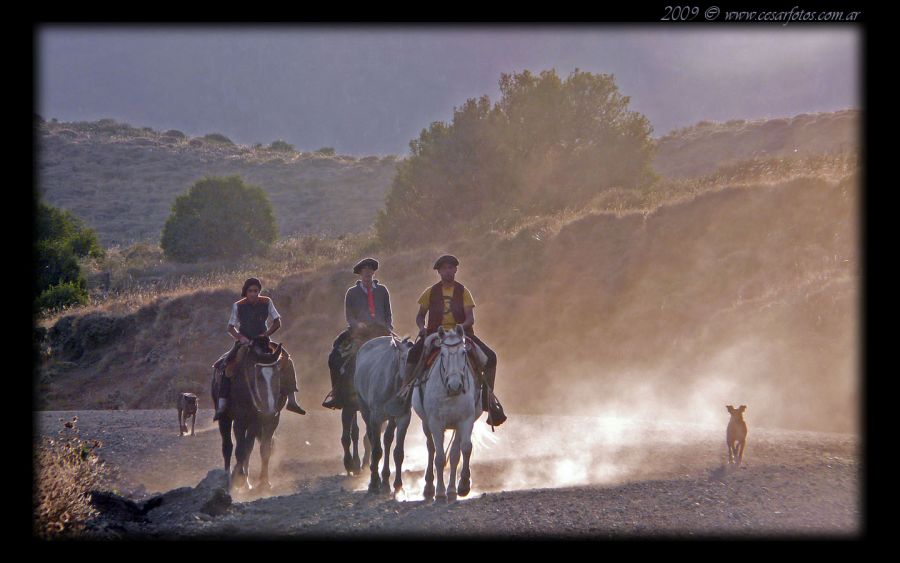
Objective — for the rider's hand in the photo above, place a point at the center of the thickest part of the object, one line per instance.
(361, 326)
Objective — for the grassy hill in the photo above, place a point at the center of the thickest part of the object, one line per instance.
(701, 149)
(122, 180)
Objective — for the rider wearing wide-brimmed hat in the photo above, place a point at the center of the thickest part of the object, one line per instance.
(250, 321)
(448, 303)
(367, 308)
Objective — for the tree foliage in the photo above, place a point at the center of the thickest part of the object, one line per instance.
(546, 145)
(219, 217)
(60, 240)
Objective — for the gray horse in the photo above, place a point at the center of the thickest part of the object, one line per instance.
(448, 398)
(378, 376)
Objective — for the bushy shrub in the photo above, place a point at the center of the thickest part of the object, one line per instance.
(218, 138)
(281, 146)
(175, 133)
(219, 218)
(327, 151)
(195, 143)
(63, 294)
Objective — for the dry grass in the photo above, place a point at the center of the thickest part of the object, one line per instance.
(67, 470)
(701, 149)
(749, 173)
(132, 277)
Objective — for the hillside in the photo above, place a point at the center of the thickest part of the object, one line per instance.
(702, 148)
(122, 180)
(744, 294)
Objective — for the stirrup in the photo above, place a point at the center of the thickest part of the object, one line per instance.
(295, 408)
(331, 401)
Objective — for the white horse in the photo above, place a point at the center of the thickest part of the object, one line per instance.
(450, 399)
(378, 377)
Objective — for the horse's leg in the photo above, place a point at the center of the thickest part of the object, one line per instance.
(227, 444)
(388, 440)
(454, 463)
(253, 432)
(465, 477)
(193, 420)
(373, 430)
(440, 461)
(354, 438)
(428, 493)
(346, 414)
(402, 427)
(266, 446)
(367, 449)
(239, 476)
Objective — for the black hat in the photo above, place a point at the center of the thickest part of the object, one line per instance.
(446, 259)
(364, 263)
(248, 283)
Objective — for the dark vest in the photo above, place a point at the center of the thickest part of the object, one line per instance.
(252, 316)
(436, 307)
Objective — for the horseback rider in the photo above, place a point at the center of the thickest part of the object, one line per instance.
(249, 323)
(367, 307)
(448, 303)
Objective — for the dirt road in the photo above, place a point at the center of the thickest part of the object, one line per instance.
(536, 476)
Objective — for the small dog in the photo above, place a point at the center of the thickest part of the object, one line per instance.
(736, 434)
(187, 407)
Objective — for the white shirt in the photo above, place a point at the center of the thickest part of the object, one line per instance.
(273, 314)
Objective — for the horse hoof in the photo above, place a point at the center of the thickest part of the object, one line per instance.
(375, 487)
(464, 489)
(265, 485)
(451, 497)
(440, 499)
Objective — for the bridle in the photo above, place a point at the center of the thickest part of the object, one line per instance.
(443, 368)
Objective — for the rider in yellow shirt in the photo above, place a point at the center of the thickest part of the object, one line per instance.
(448, 303)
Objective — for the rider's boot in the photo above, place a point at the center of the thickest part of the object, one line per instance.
(220, 410)
(292, 404)
(332, 400)
(489, 402)
(223, 393)
(488, 377)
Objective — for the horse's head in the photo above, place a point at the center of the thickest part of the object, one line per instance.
(402, 346)
(452, 362)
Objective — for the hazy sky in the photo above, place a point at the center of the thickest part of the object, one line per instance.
(370, 90)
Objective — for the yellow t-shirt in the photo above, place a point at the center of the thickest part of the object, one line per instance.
(448, 322)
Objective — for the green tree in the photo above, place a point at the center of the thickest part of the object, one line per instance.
(61, 239)
(219, 218)
(546, 145)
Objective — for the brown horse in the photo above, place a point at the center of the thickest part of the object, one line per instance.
(253, 408)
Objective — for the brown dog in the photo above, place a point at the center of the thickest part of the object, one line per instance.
(736, 434)
(187, 407)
